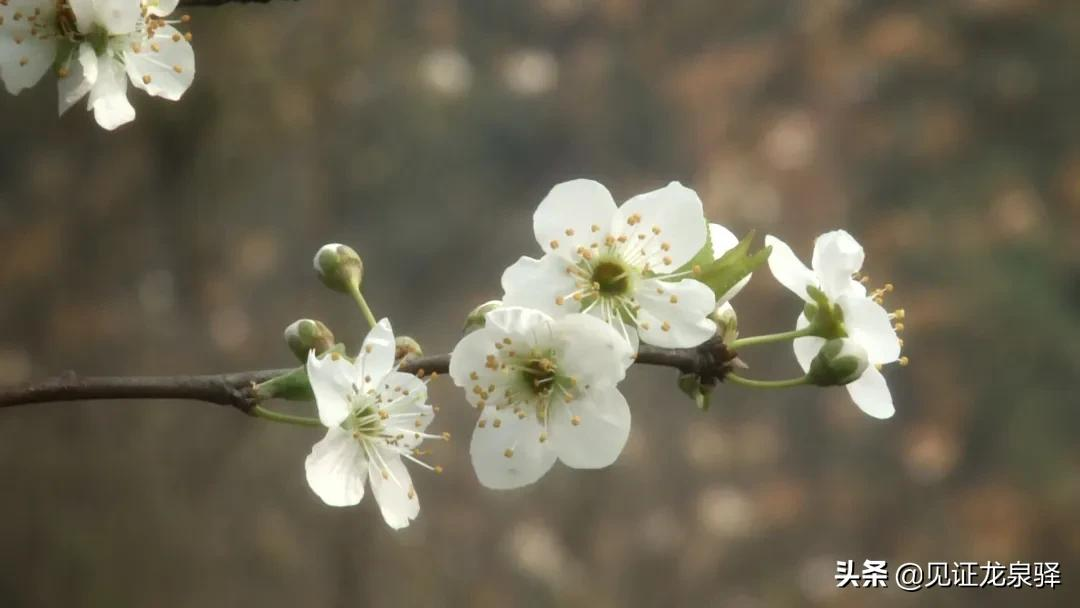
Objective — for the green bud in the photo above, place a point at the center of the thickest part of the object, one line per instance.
(406, 349)
(727, 323)
(839, 362)
(339, 267)
(477, 318)
(692, 386)
(306, 334)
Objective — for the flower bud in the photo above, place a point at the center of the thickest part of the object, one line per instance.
(727, 323)
(339, 267)
(406, 349)
(477, 318)
(304, 335)
(839, 362)
(692, 386)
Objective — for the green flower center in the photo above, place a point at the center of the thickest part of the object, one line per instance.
(611, 278)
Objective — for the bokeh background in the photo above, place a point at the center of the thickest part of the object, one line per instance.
(943, 134)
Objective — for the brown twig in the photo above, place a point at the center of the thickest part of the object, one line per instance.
(185, 3)
(711, 361)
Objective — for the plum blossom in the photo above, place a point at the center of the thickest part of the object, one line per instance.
(375, 416)
(620, 264)
(96, 46)
(836, 259)
(546, 390)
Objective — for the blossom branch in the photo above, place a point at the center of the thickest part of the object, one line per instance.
(711, 361)
(220, 2)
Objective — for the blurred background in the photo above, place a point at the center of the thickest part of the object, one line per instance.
(943, 134)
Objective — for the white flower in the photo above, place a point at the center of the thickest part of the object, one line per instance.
(618, 263)
(97, 45)
(545, 389)
(375, 416)
(837, 257)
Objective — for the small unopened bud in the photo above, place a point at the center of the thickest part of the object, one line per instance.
(339, 267)
(477, 318)
(406, 349)
(839, 362)
(306, 334)
(692, 386)
(727, 323)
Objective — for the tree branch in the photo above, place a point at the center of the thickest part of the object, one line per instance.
(711, 361)
(185, 3)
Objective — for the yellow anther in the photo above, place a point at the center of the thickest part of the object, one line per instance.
(496, 423)
(575, 420)
(903, 361)
(509, 452)
(554, 244)
(665, 326)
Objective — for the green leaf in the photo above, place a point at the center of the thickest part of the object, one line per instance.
(735, 265)
(703, 257)
(292, 386)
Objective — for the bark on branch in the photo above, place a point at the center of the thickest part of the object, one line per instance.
(220, 2)
(711, 361)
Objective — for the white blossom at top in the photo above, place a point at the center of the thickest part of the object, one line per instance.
(618, 263)
(837, 257)
(96, 46)
(375, 416)
(546, 390)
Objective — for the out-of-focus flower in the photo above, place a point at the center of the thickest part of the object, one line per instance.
(546, 390)
(375, 416)
(620, 264)
(836, 259)
(96, 46)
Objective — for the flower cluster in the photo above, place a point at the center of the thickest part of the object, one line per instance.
(542, 366)
(95, 47)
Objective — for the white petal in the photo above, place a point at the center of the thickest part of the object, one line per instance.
(806, 348)
(591, 350)
(84, 14)
(404, 397)
(118, 16)
(540, 284)
(722, 241)
(788, 270)
(519, 322)
(23, 63)
(393, 489)
(331, 380)
(666, 226)
(82, 73)
(600, 435)
(161, 8)
(469, 357)
(108, 97)
(567, 216)
(871, 394)
(674, 314)
(376, 356)
(868, 324)
(528, 458)
(837, 256)
(166, 72)
(336, 469)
